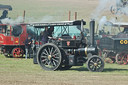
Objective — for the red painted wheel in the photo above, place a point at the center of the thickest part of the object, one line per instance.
(17, 52)
(109, 57)
(122, 58)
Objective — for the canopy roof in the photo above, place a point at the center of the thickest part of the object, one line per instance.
(61, 23)
(5, 7)
(117, 24)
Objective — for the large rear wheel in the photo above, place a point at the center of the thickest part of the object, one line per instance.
(49, 57)
(95, 64)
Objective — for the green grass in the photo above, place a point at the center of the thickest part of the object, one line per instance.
(19, 71)
(26, 65)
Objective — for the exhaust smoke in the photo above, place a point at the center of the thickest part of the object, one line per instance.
(104, 5)
(11, 21)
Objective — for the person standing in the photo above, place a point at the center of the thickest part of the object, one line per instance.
(4, 14)
(45, 36)
(50, 31)
(28, 43)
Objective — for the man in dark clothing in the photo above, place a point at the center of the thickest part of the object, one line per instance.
(28, 43)
(4, 14)
(45, 36)
(50, 31)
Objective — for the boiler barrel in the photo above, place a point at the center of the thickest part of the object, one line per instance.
(84, 51)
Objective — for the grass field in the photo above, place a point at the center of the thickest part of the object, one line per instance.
(24, 72)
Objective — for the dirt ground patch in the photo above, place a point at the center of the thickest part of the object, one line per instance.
(60, 78)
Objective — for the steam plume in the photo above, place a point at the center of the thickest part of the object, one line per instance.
(11, 21)
(103, 6)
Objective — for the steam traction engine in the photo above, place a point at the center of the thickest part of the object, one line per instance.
(63, 52)
(12, 39)
(116, 47)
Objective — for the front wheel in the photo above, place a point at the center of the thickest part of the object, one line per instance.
(95, 64)
(17, 52)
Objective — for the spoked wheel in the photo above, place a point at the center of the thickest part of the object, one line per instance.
(17, 52)
(109, 57)
(95, 64)
(49, 57)
(122, 58)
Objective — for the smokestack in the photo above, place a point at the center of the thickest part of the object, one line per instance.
(24, 16)
(69, 15)
(92, 29)
(82, 25)
(75, 15)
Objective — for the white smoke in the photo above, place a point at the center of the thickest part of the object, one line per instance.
(117, 7)
(104, 5)
(41, 19)
(11, 21)
(105, 22)
(47, 19)
(123, 11)
(28, 19)
(102, 21)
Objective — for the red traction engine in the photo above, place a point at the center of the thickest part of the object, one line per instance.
(12, 39)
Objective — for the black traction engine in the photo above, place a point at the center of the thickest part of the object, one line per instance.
(65, 53)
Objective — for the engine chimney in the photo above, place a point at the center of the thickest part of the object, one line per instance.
(92, 49)
(92, 29)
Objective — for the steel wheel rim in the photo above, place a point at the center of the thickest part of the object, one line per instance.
(95, 64)
(50, 57)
